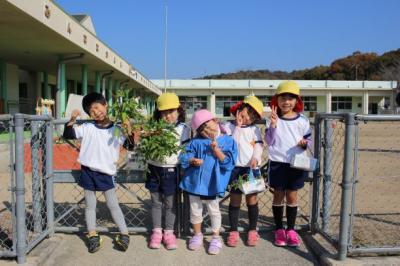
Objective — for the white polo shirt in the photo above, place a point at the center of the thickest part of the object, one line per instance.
(286, 136)
(99, 147)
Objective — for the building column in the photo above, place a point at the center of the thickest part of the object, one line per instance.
(328, 102)
(3, 88)
(75, 87)
(97, 82)
(46, 88)
(84, 79)
(365, 102)
(38, 84)
(212, 103)
(61, 91)
(110, 85)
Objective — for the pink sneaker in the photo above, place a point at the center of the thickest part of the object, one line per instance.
(233, 239)
(293, 239)
(155, 239)
(252, 238)
(169, 240)
(280, 238)
(196, 242)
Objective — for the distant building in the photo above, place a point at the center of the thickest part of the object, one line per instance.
(364, 97)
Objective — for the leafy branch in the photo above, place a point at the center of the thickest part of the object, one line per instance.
(158, 139)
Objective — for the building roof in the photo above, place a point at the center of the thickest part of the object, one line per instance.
(273, 84)
(36, 35)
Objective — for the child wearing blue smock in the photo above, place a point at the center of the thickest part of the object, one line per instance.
(207, 163)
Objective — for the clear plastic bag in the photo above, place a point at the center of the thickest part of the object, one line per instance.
(254, 184)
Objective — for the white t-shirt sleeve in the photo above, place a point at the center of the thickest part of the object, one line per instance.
(80, 131)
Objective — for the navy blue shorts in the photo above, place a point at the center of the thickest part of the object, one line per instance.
(162, 179)
(95, 181)
(236, 172)
(283, 177)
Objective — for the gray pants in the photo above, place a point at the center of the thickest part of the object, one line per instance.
(112, 203)
(158, 200)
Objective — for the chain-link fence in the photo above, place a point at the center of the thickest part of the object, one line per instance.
(375, 215)
(7, 185)
(353, 190)
(354, 202)
(69, 206)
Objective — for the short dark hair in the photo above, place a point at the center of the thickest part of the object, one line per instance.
(250, 110)
(181, 114)
(91, 98)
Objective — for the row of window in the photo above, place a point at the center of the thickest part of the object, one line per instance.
(223, 103)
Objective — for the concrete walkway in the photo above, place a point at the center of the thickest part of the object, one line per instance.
(64, 249)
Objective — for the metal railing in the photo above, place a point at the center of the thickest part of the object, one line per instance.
(351, 198)
(354, 204)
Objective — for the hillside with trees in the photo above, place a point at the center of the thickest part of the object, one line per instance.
(358, 66)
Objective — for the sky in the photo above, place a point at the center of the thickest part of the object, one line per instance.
(218, 36)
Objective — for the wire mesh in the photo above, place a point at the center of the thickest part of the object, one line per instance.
(331, 161)
(7, 198)
(69, 203)
(35, 176)
(376, 212)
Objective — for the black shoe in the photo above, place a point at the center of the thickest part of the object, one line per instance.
(122, 242)
(95, 243)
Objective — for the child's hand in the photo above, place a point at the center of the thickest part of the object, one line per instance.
(239, 119)
(302, 143)
(273, 118)
(136, 135)
(126, 124)
(253, 163)
(196, 162)
(74, 115)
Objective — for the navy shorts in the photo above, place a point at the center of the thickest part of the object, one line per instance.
(162, 179)
(236, 172)
(283, 177)
(95, 181)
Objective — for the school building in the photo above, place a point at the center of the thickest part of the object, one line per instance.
(363, 97)
(48, 53)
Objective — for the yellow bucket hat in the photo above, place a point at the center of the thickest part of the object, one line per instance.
(167, 101)
(288, 87)
(254, 102)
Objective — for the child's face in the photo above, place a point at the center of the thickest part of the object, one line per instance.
(170, 116)
(287, 102)
(246, 118)
(211, 129)
(98, 111)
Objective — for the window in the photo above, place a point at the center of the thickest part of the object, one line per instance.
(341, 104)
(193, 103)
(224, 103)
(266, 100)
(310, 103)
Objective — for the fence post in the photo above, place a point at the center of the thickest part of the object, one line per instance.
(49, 178)
(346, 186)
(20, 188)
(36, 195)
(316, 175)
(327, 181)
